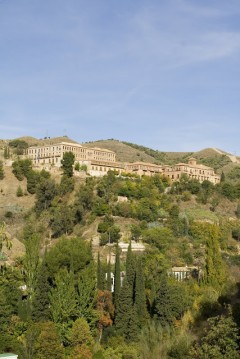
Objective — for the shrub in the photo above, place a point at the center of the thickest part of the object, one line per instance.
(19, 192)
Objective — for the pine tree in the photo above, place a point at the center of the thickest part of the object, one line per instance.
(117, 279)
(41, 305)
(140, 296)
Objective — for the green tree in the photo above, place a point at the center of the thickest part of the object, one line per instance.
(220, 340)
(222, 177)
(66, 185)
(162, 306)
(19, 192)
(136, 232)
(131, 268)
(214, 268)
(80, 334)
(132, 330)
(62, 221)
(47, 343)
(63, 302)
(140, 296)
(19, 145)
(117, 278)
(154, 341)
(31, 259)
(86, 294)
(109, 278)
(1, 171)
(21, 168)
(73, 254)
(41, 304)
(124, 309)
(67, 163)
(4, 237)
(172, 300)
(100, 274)
(46, 190)
(32, 180)
(6, 153)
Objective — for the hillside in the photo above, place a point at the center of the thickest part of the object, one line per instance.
(69, 225)
(124, 152)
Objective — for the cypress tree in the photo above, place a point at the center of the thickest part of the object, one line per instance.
(117, 279)
(133, 327)
(100, 274)
(214, 268)
(124, 309)
(140, 296)
(162, 305)
(40, 305)
(130, 267)
(109, 279)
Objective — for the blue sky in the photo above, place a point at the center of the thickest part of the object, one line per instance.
(160, 73)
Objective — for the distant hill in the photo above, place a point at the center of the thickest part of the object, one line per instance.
(45, 141)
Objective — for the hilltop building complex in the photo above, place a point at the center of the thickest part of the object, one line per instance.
(99, 161)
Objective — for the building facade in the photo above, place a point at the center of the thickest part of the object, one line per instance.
(99, 161)
(53, 154)
(143, 168)
(192, 170)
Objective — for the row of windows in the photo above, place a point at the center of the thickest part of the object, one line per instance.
(72, 149)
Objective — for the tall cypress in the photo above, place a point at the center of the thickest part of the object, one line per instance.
(132, 330)
(214, 274)
(40, 304)
(117, 278)
(140, 295)
(124, 309)
(100, 274)
(163, 304)
(109, 279)
(131, 269)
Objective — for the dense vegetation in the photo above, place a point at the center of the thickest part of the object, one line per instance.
(56, 300)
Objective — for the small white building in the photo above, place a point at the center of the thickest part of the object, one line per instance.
(8, 356)
(183, 273)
